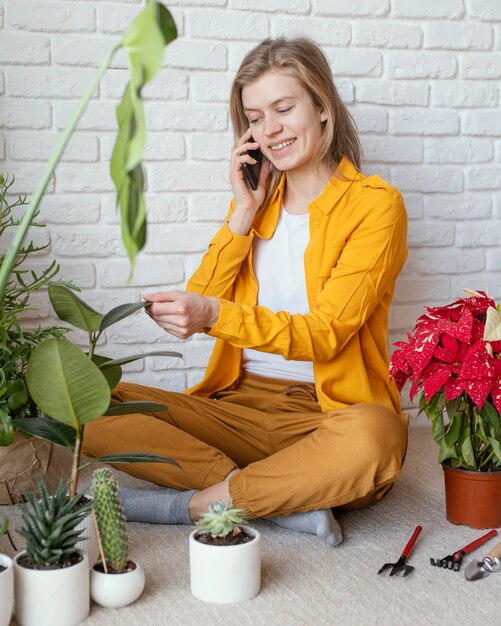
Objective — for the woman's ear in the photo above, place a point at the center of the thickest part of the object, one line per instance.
(323, 116)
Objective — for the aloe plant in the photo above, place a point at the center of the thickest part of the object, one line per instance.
(50, 524)
(143, 42)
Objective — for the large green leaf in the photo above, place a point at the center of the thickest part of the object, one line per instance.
(121, 312)
(144, 43)
(70, 308)
(49, 429)
(66, 384)
(135, 357)
(134, 457)
(113, 374)
(136, 406)
(453, 429)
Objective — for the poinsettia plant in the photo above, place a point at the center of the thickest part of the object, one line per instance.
(453, 357)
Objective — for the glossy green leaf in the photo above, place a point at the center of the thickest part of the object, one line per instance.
(49, 429)
(6, 429)
(121, 312)
(166, 24)
(135, 357)
(466, 449)
(136, 406)
(113, 375)
(134, 457)
(453, 429)
(496, 448)
(70, 308)
(66, 384)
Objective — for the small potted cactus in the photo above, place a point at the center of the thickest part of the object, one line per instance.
(225, 556)
(6, 579)
(51, 575)
(116, 580)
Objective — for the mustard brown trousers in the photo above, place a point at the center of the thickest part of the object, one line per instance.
(293, 456)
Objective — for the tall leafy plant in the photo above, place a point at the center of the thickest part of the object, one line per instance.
(143, 42)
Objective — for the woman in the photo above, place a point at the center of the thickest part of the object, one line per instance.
(296, 413)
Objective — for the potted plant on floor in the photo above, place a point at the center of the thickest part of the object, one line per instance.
(6, 579)
(51, 575)
(453, 356)
(22, 458)
(225, 556)
(116, 581)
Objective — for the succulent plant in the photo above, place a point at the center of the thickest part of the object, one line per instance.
(110, 519)
(50, 523)
(220, 520)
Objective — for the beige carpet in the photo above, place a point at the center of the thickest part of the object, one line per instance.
(306, 582)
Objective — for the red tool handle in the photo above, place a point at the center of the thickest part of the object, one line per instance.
(412, 541)
(478, 542)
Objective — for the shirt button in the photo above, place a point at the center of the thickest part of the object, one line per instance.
(308, 258)
(312, 296)
(315, 224)
(225, 327)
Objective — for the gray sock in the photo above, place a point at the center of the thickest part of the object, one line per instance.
(157, 506)
(321, 523)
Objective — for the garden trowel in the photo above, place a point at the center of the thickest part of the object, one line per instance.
(488, 565)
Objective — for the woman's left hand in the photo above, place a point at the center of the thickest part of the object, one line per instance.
(182, 313)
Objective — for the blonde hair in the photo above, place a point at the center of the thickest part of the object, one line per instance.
(303, 59)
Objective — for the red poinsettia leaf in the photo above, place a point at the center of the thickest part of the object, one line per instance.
(459, 330)
(477, 363)
(435, 378)
(496, 346)
(496, 395)
(400, 379)
(415, 387)
(424, 345)
(478, 390)
(453, 387)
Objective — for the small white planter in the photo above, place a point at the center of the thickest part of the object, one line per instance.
(226, 574)
(115, 591)
(6, 590)
(58, 597)
(90, 542)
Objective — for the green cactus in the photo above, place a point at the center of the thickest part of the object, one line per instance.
(220, 520)
(50, 524)
(110, 520)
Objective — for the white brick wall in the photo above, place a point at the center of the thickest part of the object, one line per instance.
(420, 78)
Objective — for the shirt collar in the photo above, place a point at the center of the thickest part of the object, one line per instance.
(344, 176)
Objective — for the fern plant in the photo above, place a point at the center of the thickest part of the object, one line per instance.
(17, 343)
(110, 520)
(50, 525)
(220, 520)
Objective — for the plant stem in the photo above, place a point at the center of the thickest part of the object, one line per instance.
(75, 464)
(25, 222)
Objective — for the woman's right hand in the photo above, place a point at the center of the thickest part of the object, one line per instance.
(247, 201)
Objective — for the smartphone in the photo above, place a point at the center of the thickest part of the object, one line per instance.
(252, 171)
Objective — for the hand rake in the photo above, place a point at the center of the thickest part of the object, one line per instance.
(401, 564)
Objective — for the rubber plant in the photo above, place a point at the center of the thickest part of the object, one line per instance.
(70, 387)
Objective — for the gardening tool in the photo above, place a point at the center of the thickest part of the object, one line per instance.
(401, 564)
(488, 565)
(453, 561)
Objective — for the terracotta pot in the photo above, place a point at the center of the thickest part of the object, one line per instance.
(473, 498)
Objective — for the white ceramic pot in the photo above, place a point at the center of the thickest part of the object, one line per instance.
(90, 542)
(226, 574)
(6, 590)
(58, 597)
(115, 591)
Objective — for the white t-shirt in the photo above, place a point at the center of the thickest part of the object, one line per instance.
(279, 268)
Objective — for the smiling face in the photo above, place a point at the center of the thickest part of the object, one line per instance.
(284, 121)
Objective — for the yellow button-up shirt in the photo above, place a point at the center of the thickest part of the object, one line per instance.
(357, 247)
